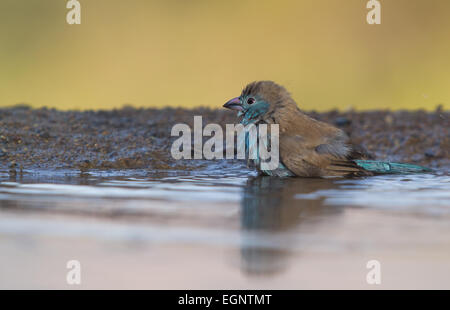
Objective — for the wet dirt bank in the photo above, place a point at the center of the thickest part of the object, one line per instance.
(131, 138)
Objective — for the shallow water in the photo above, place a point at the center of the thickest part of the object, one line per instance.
(221, 226)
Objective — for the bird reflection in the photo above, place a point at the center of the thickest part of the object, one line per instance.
(269, 214)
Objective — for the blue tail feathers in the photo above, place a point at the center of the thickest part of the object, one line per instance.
(384, 167)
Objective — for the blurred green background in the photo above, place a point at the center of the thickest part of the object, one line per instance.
(201, 53)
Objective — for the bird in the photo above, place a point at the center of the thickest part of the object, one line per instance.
(307, 147)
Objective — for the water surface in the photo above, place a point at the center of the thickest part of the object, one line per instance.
(221, 226)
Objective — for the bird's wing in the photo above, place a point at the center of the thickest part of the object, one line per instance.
(315, 159)
(309, 147)
(319, 151)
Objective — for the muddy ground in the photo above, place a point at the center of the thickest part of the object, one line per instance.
(130, 138)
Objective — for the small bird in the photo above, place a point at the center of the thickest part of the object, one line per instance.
(307, 147)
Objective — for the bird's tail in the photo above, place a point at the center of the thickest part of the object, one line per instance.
(384, 167)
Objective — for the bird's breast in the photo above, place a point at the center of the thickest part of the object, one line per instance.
(251, 141)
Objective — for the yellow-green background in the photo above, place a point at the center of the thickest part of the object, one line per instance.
(202, 52)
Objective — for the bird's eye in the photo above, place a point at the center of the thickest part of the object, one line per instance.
(251, 100)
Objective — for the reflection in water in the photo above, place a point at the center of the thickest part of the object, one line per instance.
(280, 219)
(269, 208)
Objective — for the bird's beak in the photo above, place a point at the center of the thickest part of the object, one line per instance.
(234, 104)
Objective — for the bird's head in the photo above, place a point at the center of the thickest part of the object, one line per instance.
(259, 99)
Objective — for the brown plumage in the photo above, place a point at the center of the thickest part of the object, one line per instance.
(308, 147)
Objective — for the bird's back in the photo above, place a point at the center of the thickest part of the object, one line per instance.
(312, 148)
